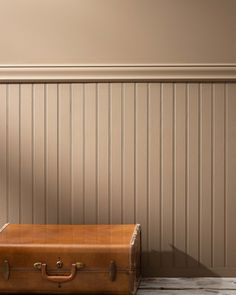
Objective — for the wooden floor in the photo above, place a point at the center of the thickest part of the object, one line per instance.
(187, 286)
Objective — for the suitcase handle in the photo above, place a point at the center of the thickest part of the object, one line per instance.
(58, 279)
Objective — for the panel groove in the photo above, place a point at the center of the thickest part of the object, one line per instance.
(161, 172)
(45, 155)
(212, 169)
(96, 148)
(84, 153)
(225, 171)
(174, 173)
(20, 154)
(58, 151)
(200, 170)
(70, 154)
(7, 153)
(32, 156)
(187, 172)
(147, 192)
(109, 155)
(122, 153)
(135, 141)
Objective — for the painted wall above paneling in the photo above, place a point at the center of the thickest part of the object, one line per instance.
(117, 32)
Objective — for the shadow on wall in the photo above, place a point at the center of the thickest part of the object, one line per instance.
(174, 263)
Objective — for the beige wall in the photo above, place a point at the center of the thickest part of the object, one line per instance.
(160, 154)
(117, 31)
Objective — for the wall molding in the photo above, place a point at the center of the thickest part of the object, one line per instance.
(89, 73)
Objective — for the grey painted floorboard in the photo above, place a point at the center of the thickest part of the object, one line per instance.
(187, 286)
(186, 292)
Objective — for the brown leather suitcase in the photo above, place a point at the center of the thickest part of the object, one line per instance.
(82, 259)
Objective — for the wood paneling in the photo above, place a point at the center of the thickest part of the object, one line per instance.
(51, 150)
(193, 174)
(39, 154)
(115, 153)
(180, 169)
(167, 174)
(154, 175)
(141, 162)
(161, 154)
(77, 153)
(13, 147)
(90, 161)
(230, 174)
(103, 160)
(128, 153)
(218, 174)
(64, 153)
(206, 175)
(26, 153)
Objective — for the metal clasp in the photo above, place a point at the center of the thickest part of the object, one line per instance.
(59, 264)
(38, 265)
(79, 265)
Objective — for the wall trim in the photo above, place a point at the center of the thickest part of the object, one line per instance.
(89, 73)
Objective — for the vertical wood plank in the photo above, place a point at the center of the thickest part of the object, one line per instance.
(90, 154)
(141, 164)
(154, 175)
(180, 165)
(116, 153)
(3, 155)
(77, 188)
(231, 172)
(52, 154)
(39, 202)
(218, 174)
(206, 175)
(14, 153)
(167, 177)
(193, 175)
(103, 153)
(128, 153)
(26, 188)
(64, 148)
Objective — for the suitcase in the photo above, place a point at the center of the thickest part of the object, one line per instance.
(70, 259)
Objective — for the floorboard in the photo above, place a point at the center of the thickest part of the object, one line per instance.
(187, 286)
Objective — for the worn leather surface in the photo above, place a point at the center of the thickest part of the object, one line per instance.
(93, 245)
(98, 235)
